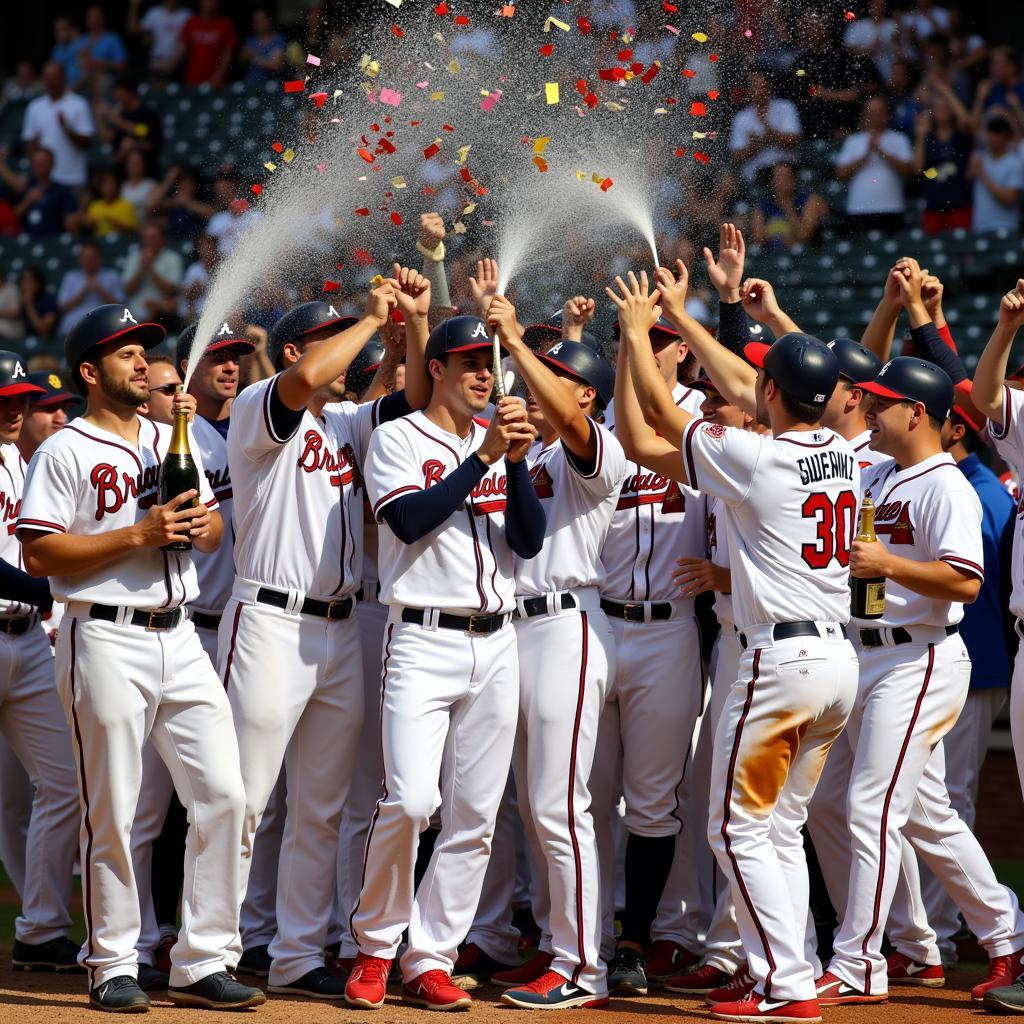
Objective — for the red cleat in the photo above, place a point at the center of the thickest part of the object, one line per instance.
(368, 982)
(738, 988)
(904, 971)
(833, 991)
(435, 990)
(758, 1008)
(534, 968)
(666, 959)
(697, 982)
(1002, 971)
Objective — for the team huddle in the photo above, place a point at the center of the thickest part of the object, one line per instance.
(407, 652)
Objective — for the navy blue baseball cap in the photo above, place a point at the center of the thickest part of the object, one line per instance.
(459, 334)
(856, 363)
(908, 379)
(803, 366)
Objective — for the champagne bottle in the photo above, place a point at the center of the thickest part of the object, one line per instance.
(867, 597)
(178, 472)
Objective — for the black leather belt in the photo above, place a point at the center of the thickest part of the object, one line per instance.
(18, 626)
(476, 624)
(204, 621)
(873, 637)
(149, 620)
(788, 630)
(534, 606)
(633, 611)
(340, 609)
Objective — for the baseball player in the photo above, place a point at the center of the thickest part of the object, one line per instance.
(915, 673)
(577, 468)
(793, 502)
(212, 387)
(457, 503)
(130, 666)
(655, 696)
(289, 646)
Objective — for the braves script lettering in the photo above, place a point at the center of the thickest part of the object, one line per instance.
(11, 510)
(892, 520)
(113, 489)
(317, 456)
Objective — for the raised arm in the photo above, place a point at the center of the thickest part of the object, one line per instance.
(761, 305)
(413, 294)
(485, 285)
(991, 369)
(881, 329)
(576, 314)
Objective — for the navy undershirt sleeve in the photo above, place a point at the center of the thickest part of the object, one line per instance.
(733, 326)
(284, 420)
(928, 344)
(393, 407)
(525, 521)
(16, 585)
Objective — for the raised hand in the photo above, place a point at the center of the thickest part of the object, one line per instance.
(673, 288)
(485, 285)
(382, 300)
(576, 314)
(1011, 308)
(432, 230)
(726, 274)
(932, 290)
(910, 280)
(501, 318)
(412, 291)
(759, 300)
(638, 307)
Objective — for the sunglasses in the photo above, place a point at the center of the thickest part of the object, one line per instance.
(164, 389)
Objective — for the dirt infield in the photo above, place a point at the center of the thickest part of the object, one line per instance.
(34, 998)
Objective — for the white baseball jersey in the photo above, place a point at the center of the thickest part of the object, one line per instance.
(465, 565)
(1009, 442)
(866, 455)
(579, 508)
(12, 487)
(216, 570)
(656, 521)
(718, 521)
(299, 499)
(794, 501)
(85, 480)
(927, 513)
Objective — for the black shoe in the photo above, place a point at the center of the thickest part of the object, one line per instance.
(217, 992)
(255, 961)
(319, 983)
(119, 995)
(1008, 999)
(60, 955)
(626, 975)
(150, 979)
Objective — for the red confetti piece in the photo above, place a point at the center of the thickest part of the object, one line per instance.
(256, 189)
(591, 100)
(812, 90)
(583, 25)
(396, 218)
(298, 85)
(466, 176)
(702, 158)
(448, 127)
(547, 49)
(432, 150)
(668, 8)
(608, 75)
(397, 31)
(581, 86)
(713, 94)
(624, 55)
(366, 155)
(277, 147)
(650, 73)
(542, 164)
(332, 286)
(441, 9)
(319, 98)
(414, 124)
(697, 109)
(849, 16)
(636, 68)
(362, 257)
(671, 101)
(689, 74)
(713, 58)
(680, 152)
(606, 184)
(363, 212)
(461, 19)
(386, 146)
(340, 266)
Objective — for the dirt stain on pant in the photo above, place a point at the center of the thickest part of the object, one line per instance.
(763, 772)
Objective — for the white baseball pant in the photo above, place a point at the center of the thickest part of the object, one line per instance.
(296, 691)
(448, 711)
(121, 685)
(910, 697)
(1017, 705)
(16, 795)
(789, 703)
(257, 920)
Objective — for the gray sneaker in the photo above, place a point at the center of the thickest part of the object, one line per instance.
(626, 975)
(318, 983)
(217, 992)
(60, 955)
(255, 961)
(1008, 999)
(119, 995)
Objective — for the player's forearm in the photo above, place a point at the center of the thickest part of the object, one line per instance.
(928, 344)
(525, 521)
(989, 374)
(418, 383)
(434, 272)
(383, 382)
(211, 541)
(936, 580)
(412, 516)
(71, 554)
(652, 393)
(881, 329)
(322, 364)
(733, 327)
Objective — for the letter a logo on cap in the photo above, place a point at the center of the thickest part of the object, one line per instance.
(127, 315)
(480, 331)
(333, 312)
(18, 371)
(225, 329)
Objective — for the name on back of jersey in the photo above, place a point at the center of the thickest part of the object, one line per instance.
(826, 465)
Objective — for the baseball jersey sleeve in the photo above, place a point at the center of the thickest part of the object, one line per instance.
(605, 474)
(1009, 436)
(952, 531)
(257, 425)
(51, 496)
(721, 460)
(390, 469)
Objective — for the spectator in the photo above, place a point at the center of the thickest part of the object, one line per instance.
(876, 37)
(60, 121)
(207, 43)
(969, 50)
(130, 125)
(161, 27)
(788, 217)
(23, 86)
(110, 212)
(136, 187)
(90, 285)
(9, 223)
(942, 147)
(314, 38)
(939, 69)
(101, 54)
(10, 312)
(901, 98)
(874, 161)
(43, 206)
(263, 51)
(177, 199)
(766, 131)
(38, 308)
(197, 279)
(834, 80)
(152, 274)
(234, 217)
(1003, 88)
(65, 49)
(998, 176)
(922, 20)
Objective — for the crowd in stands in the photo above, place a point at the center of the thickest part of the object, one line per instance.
(920, 118)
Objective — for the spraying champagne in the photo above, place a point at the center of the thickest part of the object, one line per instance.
(178, 472)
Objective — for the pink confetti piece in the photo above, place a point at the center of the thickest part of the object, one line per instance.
(310, 59)
(422, 85)
(390, 97)
(489, 101)
(671, 28)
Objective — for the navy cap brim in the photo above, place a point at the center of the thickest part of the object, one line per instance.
(148, 335)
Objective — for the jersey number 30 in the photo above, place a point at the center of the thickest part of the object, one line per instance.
(835, 521)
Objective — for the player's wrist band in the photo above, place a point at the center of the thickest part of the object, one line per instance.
(435, 255)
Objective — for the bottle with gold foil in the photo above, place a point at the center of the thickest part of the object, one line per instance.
(178, 472)
(867, 597)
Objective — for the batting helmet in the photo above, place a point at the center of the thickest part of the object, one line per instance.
(364, 366)
(306, 318)
(802, 366)
(224, 337)
(856, 363)
(459, 334)
(579, 360)
(906, 378)
(107, 323)
(13, 378)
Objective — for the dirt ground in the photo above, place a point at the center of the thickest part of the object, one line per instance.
(34, 998)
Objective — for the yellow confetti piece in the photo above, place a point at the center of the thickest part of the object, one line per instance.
(700, 37)
(800, 72)
(596, 178)
(551, 92)
(467, 210)
(453, 68)
(436, 97)
(270, 167)
(555, 23)
(398, 181)
(141, 130)
(438, 38)
(661, 110)
(581, 176)
(459, 228)
(700, 135)
(541, 144)
(377, 279)
(627, 38)
(615, 108)
(931, 173)
(288, 156)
